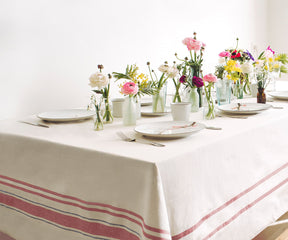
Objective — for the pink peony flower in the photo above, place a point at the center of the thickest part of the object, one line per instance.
(210, 78)
(129, 88)
(193, 44)
(224, 54)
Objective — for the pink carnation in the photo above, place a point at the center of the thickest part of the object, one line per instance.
(193, 44)
(129, 88)
(210, 78)
(224, 54)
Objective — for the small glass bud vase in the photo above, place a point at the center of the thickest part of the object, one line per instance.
(223, 91)
(238, 90)
(193, 98)
(129, 111)
(107, 117)
(98, 120)
(261, 96)
(159, 100)
(208, 106)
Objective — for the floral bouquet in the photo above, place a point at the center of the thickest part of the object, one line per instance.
(130, 89)
(269, 64)
(159, 84)
(191, 69)
(209, 110)
(101, 84)
(145, 87)
(235, 64)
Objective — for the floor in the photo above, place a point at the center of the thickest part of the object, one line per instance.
(276, 231)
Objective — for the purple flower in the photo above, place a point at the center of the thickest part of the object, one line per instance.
(182, 79)
(197, 81)
(250, 55)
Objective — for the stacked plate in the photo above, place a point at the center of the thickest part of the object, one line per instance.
(243, 108)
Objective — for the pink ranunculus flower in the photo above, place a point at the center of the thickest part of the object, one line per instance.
(210, 78)
(192, 44)
(225, 54)
(269, 53)
(129, 88)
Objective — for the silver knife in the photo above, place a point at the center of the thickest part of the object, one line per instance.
(35, 124)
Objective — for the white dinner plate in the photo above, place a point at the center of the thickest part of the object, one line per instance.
(245, 108)
(283, 95)
(66, 115)
(169, 129)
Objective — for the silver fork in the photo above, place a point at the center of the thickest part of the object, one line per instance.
(129, 139)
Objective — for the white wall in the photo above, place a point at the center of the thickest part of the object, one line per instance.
(49, 48)
(277, 25)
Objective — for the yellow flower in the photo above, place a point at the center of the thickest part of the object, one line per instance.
(266, 68)
(229, 77)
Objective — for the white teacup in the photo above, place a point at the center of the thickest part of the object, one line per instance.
(181, 111)
(117, 107)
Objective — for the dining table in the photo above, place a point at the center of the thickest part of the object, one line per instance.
(69, 182)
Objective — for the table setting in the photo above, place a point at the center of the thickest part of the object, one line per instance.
(209, 164)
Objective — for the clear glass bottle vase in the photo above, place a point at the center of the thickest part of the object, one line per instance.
(98, 120)
(208, 106)
(107, 116)
(129, 111)
(193, 98)
(159, 100)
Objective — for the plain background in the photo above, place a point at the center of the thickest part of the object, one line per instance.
(49, 48)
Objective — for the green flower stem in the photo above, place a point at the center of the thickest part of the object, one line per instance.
(107, 115)
(98, 124)
(211, 113)
(177, 94)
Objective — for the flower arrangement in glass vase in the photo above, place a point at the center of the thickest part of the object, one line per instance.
(160, 85)
(209, 107)
(192, 84)
(145, 86)
(100, 83)
(237, 65)
(268, 65)
(130, 89)
(191, 68)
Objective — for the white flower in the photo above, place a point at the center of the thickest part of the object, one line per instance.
(221, 60)
(246, 67)
(259, 64)
(98, 80)
(164, 68)
(172, 72)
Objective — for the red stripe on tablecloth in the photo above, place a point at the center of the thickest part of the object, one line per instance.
(202, 220)
(71, 222)
(245, 209)
(153, 229)
(4, 236)
(85, 208)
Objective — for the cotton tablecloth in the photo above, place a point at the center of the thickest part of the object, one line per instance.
(70, 182)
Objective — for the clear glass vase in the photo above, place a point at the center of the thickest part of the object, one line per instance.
(193, 98)
(223, 91)
(238, 89)
(129, 111)
(208, 105)
(159, 100)
(107, 116)
(98, 120)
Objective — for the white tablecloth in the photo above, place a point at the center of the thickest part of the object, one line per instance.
(70, 182)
